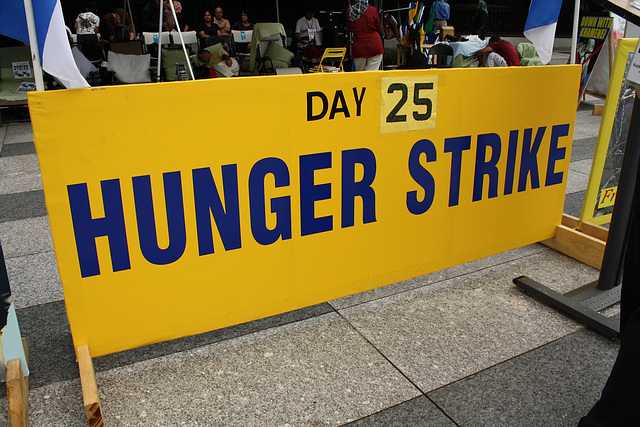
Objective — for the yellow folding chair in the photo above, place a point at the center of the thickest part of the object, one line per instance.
(332, 53)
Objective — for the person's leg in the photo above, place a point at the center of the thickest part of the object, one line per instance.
(360, 63)
(373, 63)
(495, 60)
(618, 404)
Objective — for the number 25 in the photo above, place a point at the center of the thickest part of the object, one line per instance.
(394, 117)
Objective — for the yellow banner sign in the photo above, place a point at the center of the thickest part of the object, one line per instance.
(183, 207)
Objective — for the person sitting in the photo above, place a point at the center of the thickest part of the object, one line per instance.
(113, 29)
(126, 26)
(501, 53)
(244, 24)
(224, 24)
(87, 27)
(209, 32)
(306, 28)
(218, 59)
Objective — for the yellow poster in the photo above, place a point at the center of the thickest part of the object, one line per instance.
(178, 208)
(601, 192)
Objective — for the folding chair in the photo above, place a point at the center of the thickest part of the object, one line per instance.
(151, 38)
(241, 37)
(190, 39)
(334, 54)
(440, 56)
(265, 35)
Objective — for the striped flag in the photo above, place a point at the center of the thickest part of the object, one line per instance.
(540, 27)
(53, 44)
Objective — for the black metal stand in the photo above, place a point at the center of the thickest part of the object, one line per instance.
(584, 303)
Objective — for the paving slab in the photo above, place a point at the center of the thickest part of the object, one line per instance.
(582, 166)
(554, 385)
(21, 181)
(439, 336)
(16, 164)
(419, 411)
(573, 203)
(18, 149)
(318, 371)
(583, 149)
(18, 132)
(576, 181)
(52, 356)
(16, 206)
(437, 278)
(180, 344)
(34, 279)
(3, 132)
(57, 405)
(587, 125)
(26, 237)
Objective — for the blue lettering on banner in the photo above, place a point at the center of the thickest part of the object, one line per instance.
(218, 199)
(556, 154)
(281, 206)
(87, 229)
(207, 202)
(456, 146)
(352, 188)
(147, 230)
(310, 192)
(421, 176)
(511, 162)
(529, 159)
(484, 167)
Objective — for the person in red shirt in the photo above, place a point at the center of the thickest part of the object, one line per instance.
(503, 48)
(364, 22)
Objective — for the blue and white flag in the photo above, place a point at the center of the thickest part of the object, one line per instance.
(540, 27)
(53, 43)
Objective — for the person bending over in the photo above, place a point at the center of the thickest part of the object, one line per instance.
(220, 61)
(501, 54)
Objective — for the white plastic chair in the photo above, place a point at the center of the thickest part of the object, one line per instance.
(151, 38)
(190, 39)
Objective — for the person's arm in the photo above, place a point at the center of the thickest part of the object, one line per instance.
(298, 32)
(376, 23)
(225, 30)
(75, 26)
(482, 55)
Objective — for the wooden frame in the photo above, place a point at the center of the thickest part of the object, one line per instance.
(584, 242)
(89, 387)
(18, 392)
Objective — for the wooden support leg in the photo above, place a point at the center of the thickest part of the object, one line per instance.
(586, 245)
(18, 392)
(89, 387)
